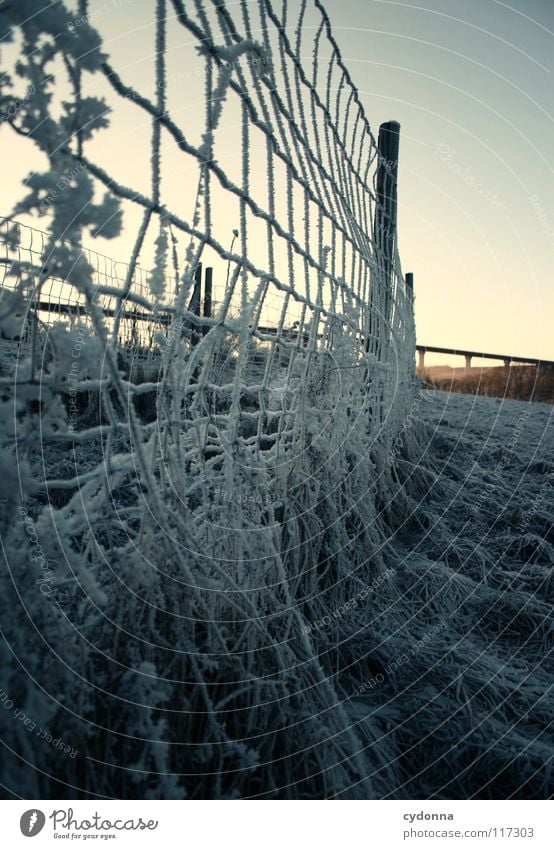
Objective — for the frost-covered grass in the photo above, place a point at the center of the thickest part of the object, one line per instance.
(466, 632)
(388, 639)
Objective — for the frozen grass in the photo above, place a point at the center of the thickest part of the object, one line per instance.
(388, 639)
(467, 712)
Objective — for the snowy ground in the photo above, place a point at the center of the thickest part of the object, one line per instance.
(455, 667)
(413, 660)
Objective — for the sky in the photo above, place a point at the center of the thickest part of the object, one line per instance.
(471, 85)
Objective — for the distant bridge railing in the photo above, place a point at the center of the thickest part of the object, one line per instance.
(508, 359)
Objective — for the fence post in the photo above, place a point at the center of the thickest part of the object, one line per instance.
(34, 335)
(384, 226)
(410, 286)
(410, 317)
(195, 303)
(208, 285)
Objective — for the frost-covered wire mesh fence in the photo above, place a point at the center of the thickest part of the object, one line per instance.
(212, 500)
(51, 299)
(302, 187)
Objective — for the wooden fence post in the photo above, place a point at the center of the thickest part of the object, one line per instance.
(195, 304)
(410, 286)
(208, 286)
(384, 228)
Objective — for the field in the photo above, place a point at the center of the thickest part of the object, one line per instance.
(467, 712)
(522, 383)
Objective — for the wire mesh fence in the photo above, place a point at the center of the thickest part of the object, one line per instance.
(305, 270)
(52, 298)
(226, 463)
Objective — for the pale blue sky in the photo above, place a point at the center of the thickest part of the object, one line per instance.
(471, 84)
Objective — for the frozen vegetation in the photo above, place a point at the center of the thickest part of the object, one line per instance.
(248, 563)
(411, 660)
(468, 711)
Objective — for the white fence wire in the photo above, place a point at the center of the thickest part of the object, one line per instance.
(305, 191)
(240, 448)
